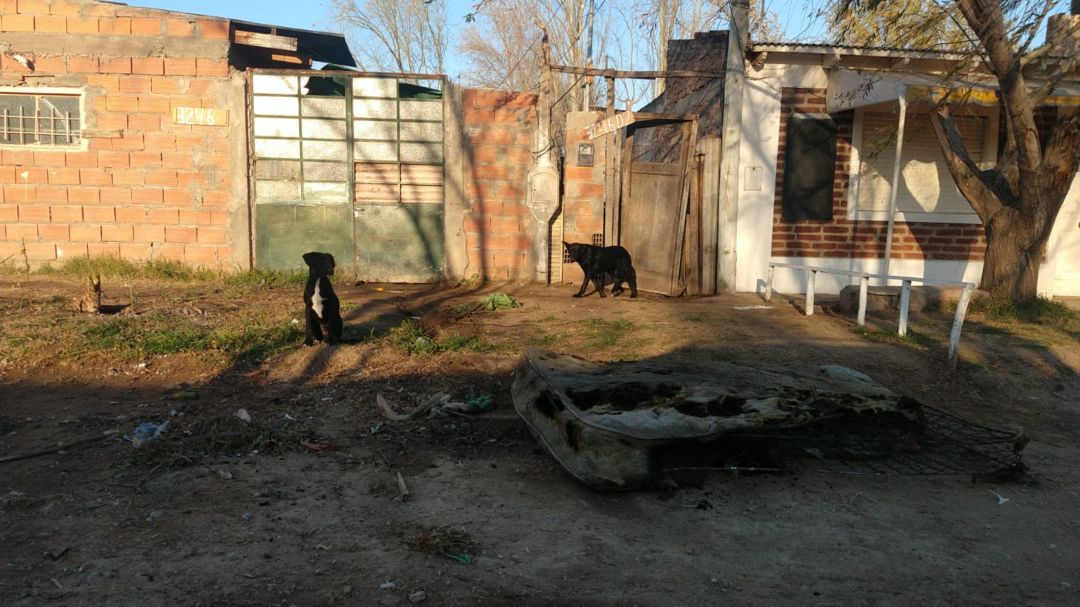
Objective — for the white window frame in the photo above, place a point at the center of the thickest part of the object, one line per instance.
(83, 143)
(989, 159)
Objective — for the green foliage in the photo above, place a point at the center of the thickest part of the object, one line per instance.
(266, 278)
(160, 333)
(600, 333)
(492, 303)
(412, 338)
(1037, 311)
(170, 270)
(913, 24)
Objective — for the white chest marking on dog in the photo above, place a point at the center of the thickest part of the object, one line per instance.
(316, 301)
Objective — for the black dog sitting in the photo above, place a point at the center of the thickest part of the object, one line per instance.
(322, 310)
(597, 261)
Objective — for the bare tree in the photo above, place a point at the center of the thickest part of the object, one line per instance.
(502, 48)
(395, 35)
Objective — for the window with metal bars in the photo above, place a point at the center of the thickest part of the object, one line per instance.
(597, 241)
(40, 119)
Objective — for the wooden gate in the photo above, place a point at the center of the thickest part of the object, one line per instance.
(349, 164)
(653, 207)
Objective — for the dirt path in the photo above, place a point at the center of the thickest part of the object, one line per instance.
(225, 513)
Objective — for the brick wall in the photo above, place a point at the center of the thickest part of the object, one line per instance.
(499, 130)
(583, 194)
(142, 187)
(845, 238)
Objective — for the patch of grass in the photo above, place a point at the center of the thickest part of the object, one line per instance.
(159, 333)
(266, 278)
(1037, 311)
(116, 267)
(412, 338)
(890, 336)
(455, 342)
(600, 333)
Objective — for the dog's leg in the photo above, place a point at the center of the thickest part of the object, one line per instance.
(333, 330)
(309, 327)
(598, 280)
(584, 285)
(631, 277)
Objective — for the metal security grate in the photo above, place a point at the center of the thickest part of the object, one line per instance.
(29, 119)
(598, 240)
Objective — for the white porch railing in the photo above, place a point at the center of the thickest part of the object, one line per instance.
(864, 284)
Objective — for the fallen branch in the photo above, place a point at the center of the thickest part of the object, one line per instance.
(57, 449)
(392, 415)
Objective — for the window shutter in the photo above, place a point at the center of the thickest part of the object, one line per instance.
(925, 183)
(809, 167)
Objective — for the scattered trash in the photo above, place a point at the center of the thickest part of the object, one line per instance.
(140, 366)
(403, 489)
(145, 433)
(377, 428)
(248, 517)
(438, 404)
(755, 307)
(289, 418)
(295, 321)
(243, 415)
(387, 585)
(153, 516)
(1001, 498)
(464, 559)
(417, 597)
(389, 413)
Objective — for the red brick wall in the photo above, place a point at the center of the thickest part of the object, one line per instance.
(499, 130)
(845, 238)
(144, 187)
(583, 195)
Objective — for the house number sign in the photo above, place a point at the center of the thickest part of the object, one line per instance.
(200, 115)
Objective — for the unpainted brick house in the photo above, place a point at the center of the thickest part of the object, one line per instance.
(150, 134)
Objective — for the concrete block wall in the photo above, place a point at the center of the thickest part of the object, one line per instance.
(499, 131)
(140, 186)
(844, 238)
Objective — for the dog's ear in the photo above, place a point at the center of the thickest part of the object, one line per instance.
(330, 265)
(311, 259)
(565, 245)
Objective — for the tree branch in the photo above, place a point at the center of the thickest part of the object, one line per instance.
(984, 197)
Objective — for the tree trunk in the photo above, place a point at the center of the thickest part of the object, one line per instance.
(1013, 253)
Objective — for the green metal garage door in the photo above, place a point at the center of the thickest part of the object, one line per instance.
(351, 165)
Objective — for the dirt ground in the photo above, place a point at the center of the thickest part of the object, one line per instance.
(308, 512)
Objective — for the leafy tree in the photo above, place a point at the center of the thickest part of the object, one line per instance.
(1019, 198)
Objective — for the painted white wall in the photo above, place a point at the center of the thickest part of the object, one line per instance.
(757, 192)
(787, 280)
(1060, 274)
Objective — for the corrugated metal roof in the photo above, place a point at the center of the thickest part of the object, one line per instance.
(891, 51)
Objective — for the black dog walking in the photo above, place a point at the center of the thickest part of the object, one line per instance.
(322, 310)
(597, 261)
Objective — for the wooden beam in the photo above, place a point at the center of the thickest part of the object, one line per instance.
(281, 43)
(639, 75)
